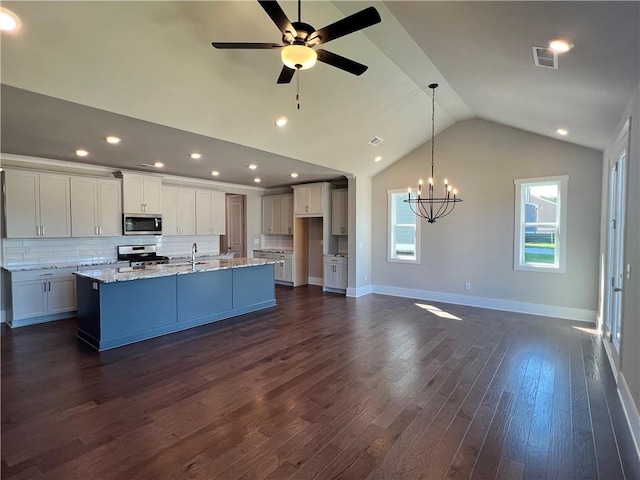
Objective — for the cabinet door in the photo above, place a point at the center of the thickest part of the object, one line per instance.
(287, 273)
(301, 200)
(83, 207)
(61, 295)
(132, 193)
(278, 270)
(339, 212)
(267, 215)
(109, 210)
(286, 214)
(340, 278)
(29, 299)
(22, 199)
(55, 206)
(329, 275)
(218, 215)
(170, 211)
(204, 212)
(187, 211)
(316, 199)
(151, 193)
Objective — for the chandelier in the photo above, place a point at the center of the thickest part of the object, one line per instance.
(426, 205)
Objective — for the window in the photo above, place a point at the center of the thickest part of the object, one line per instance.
(540, 224)
(404, 229)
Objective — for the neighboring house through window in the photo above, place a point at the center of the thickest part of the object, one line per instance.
(540, 239)
(404, 229)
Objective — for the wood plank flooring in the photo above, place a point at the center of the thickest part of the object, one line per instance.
(319, 387)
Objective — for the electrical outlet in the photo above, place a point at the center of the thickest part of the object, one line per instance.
(366, 277)
(467, 285)
(256, 241)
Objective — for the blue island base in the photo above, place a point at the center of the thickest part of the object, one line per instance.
(119, 313)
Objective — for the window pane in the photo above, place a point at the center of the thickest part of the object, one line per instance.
(540, 245)
(402, 228)
(541, 204)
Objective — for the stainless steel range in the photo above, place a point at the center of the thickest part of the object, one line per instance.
(140, 255)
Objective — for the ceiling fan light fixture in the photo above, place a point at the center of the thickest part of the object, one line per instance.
(298, 57)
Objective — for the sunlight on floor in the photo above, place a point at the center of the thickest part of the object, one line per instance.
(437, 311)
(590, 331)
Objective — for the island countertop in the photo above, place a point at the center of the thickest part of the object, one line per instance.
(123, 274)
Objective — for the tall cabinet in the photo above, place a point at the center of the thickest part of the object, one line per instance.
(37, 205)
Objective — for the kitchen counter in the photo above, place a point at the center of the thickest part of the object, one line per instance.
(272, 250)
(46, 266)
(110, 275)
(118, 308)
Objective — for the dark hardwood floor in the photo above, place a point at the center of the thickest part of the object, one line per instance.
(319, 387)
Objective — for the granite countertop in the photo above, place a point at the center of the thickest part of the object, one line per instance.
(272, 250)
(110, 275)
(45, 266)
(210, 256)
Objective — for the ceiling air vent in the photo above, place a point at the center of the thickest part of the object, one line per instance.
(375, 141)
(545, 57)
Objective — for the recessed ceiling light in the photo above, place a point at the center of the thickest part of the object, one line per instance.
(196, 156)
(294, 175)
(9, 21)
(377, 159)
(560, 46)
(215, 173)
(113, 140)
(257, 180)
(253, 166)
(82, 153)
(562, 131)
(281, 121)
(158, 164)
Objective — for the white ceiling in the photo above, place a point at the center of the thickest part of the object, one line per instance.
(146, 71)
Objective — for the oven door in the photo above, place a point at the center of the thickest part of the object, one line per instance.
(141, 224)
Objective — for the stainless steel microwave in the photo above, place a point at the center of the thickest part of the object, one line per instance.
(141, 224)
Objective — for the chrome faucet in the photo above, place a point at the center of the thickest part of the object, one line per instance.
(194, 249)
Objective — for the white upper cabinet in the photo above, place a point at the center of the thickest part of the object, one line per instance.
(141, 193)
(179, 211)
(37, 205)
(339, 211)
(210, 213)
(95, 207)
(277, 214)
(310, 200)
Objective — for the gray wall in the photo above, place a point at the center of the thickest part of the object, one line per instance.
(475, 243)
(360, 217)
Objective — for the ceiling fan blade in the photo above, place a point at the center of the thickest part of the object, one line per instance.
(341, 62)
(278, 16)
(246, 45)
(362, 19)
(286, 75)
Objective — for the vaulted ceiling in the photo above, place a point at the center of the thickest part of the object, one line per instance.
(145, 71)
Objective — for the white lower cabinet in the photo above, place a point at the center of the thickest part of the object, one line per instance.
(335, 273)
(41, 295)
(283, 268)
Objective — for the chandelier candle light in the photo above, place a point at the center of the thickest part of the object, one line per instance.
(427, 206)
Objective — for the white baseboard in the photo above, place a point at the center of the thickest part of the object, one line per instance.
(318, 281)
(359, 291)
(630, 411)
(491, 303)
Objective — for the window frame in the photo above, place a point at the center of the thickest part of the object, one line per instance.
(391, 224)
(560, 225)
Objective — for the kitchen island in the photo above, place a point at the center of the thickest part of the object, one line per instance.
(119, 306)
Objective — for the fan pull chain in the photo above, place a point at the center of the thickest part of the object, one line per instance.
(298, 88)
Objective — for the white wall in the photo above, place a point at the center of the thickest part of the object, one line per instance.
(475, 243)
(359, 242)
(630, 324)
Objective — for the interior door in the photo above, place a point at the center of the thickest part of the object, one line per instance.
(615, 243)
(236, 234)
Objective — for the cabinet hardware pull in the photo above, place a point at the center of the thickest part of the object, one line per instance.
(44, 285)
(49, 285)
(42, 229)
(99, 230)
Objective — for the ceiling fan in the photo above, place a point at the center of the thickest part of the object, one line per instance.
(298, 40)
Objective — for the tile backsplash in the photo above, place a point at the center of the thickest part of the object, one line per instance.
(99, 249)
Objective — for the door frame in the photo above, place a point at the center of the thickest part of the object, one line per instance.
(614, 279)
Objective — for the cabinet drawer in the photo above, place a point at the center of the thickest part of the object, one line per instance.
(335, 260)
(282, 256)
(42, 274)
